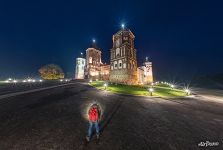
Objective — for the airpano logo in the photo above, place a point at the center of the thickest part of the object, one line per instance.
(208, 144)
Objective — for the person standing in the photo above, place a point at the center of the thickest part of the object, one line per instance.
(94, 114)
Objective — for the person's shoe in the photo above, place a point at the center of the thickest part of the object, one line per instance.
(88, 138)
(98, 136)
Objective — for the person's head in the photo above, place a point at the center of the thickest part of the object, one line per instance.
(94, 102)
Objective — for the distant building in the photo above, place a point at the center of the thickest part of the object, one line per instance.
(93, 63)
(145, 73)
(148, 72)
(123, 62)
(80, 66)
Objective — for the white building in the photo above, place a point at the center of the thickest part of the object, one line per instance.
(80, 65)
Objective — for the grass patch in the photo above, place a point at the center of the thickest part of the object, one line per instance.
(161, 91)
(2, 82)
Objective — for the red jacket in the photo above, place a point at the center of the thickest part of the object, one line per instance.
(94, 113)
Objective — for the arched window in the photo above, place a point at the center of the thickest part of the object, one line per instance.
(90, 59)
(124, 65)
(115, 65)
(117, 51)
(120, 64)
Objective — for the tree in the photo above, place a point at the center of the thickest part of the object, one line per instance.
(51, 72)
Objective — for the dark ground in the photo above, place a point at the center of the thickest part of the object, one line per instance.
(18, 87)
(55, 119)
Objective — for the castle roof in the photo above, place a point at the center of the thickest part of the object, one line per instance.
(120, 32)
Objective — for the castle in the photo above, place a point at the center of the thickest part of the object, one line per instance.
(123, 62)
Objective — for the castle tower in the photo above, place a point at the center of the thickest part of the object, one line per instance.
(148, 72)
(93, 62)
(123, 58)
(79, 70)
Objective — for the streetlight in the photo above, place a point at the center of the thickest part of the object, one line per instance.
(187, 91)
(172, 86)
(40, 80)
(151, 91)
(93, 40)
(61, 80)
(24, 81)
(15, 81)
(105, 85)
(90, 81)
(81, 55)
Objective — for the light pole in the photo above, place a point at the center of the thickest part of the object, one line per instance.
(105, 85)
(187, 91)
(151, 91)
(172, 86)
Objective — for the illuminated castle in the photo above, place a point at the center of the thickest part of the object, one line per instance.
(123, 62)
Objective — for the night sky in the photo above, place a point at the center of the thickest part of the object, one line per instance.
(181, 38)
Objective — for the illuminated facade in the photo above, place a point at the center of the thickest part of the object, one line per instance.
(123, 58)
(93, 63)
(79, 70)
(123, 62)
(105, 71)
(145, 73)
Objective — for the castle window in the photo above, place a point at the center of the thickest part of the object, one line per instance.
(115, 65)
(90, 59)
(117, 51)
(120, 63)
(124, 65)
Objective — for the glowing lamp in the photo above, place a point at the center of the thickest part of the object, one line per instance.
(187, 91)
(123, 26)
(105, 85)
(151, 90)
(172, 86)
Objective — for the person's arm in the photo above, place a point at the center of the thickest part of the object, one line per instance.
(99, 112)
(89, 112)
